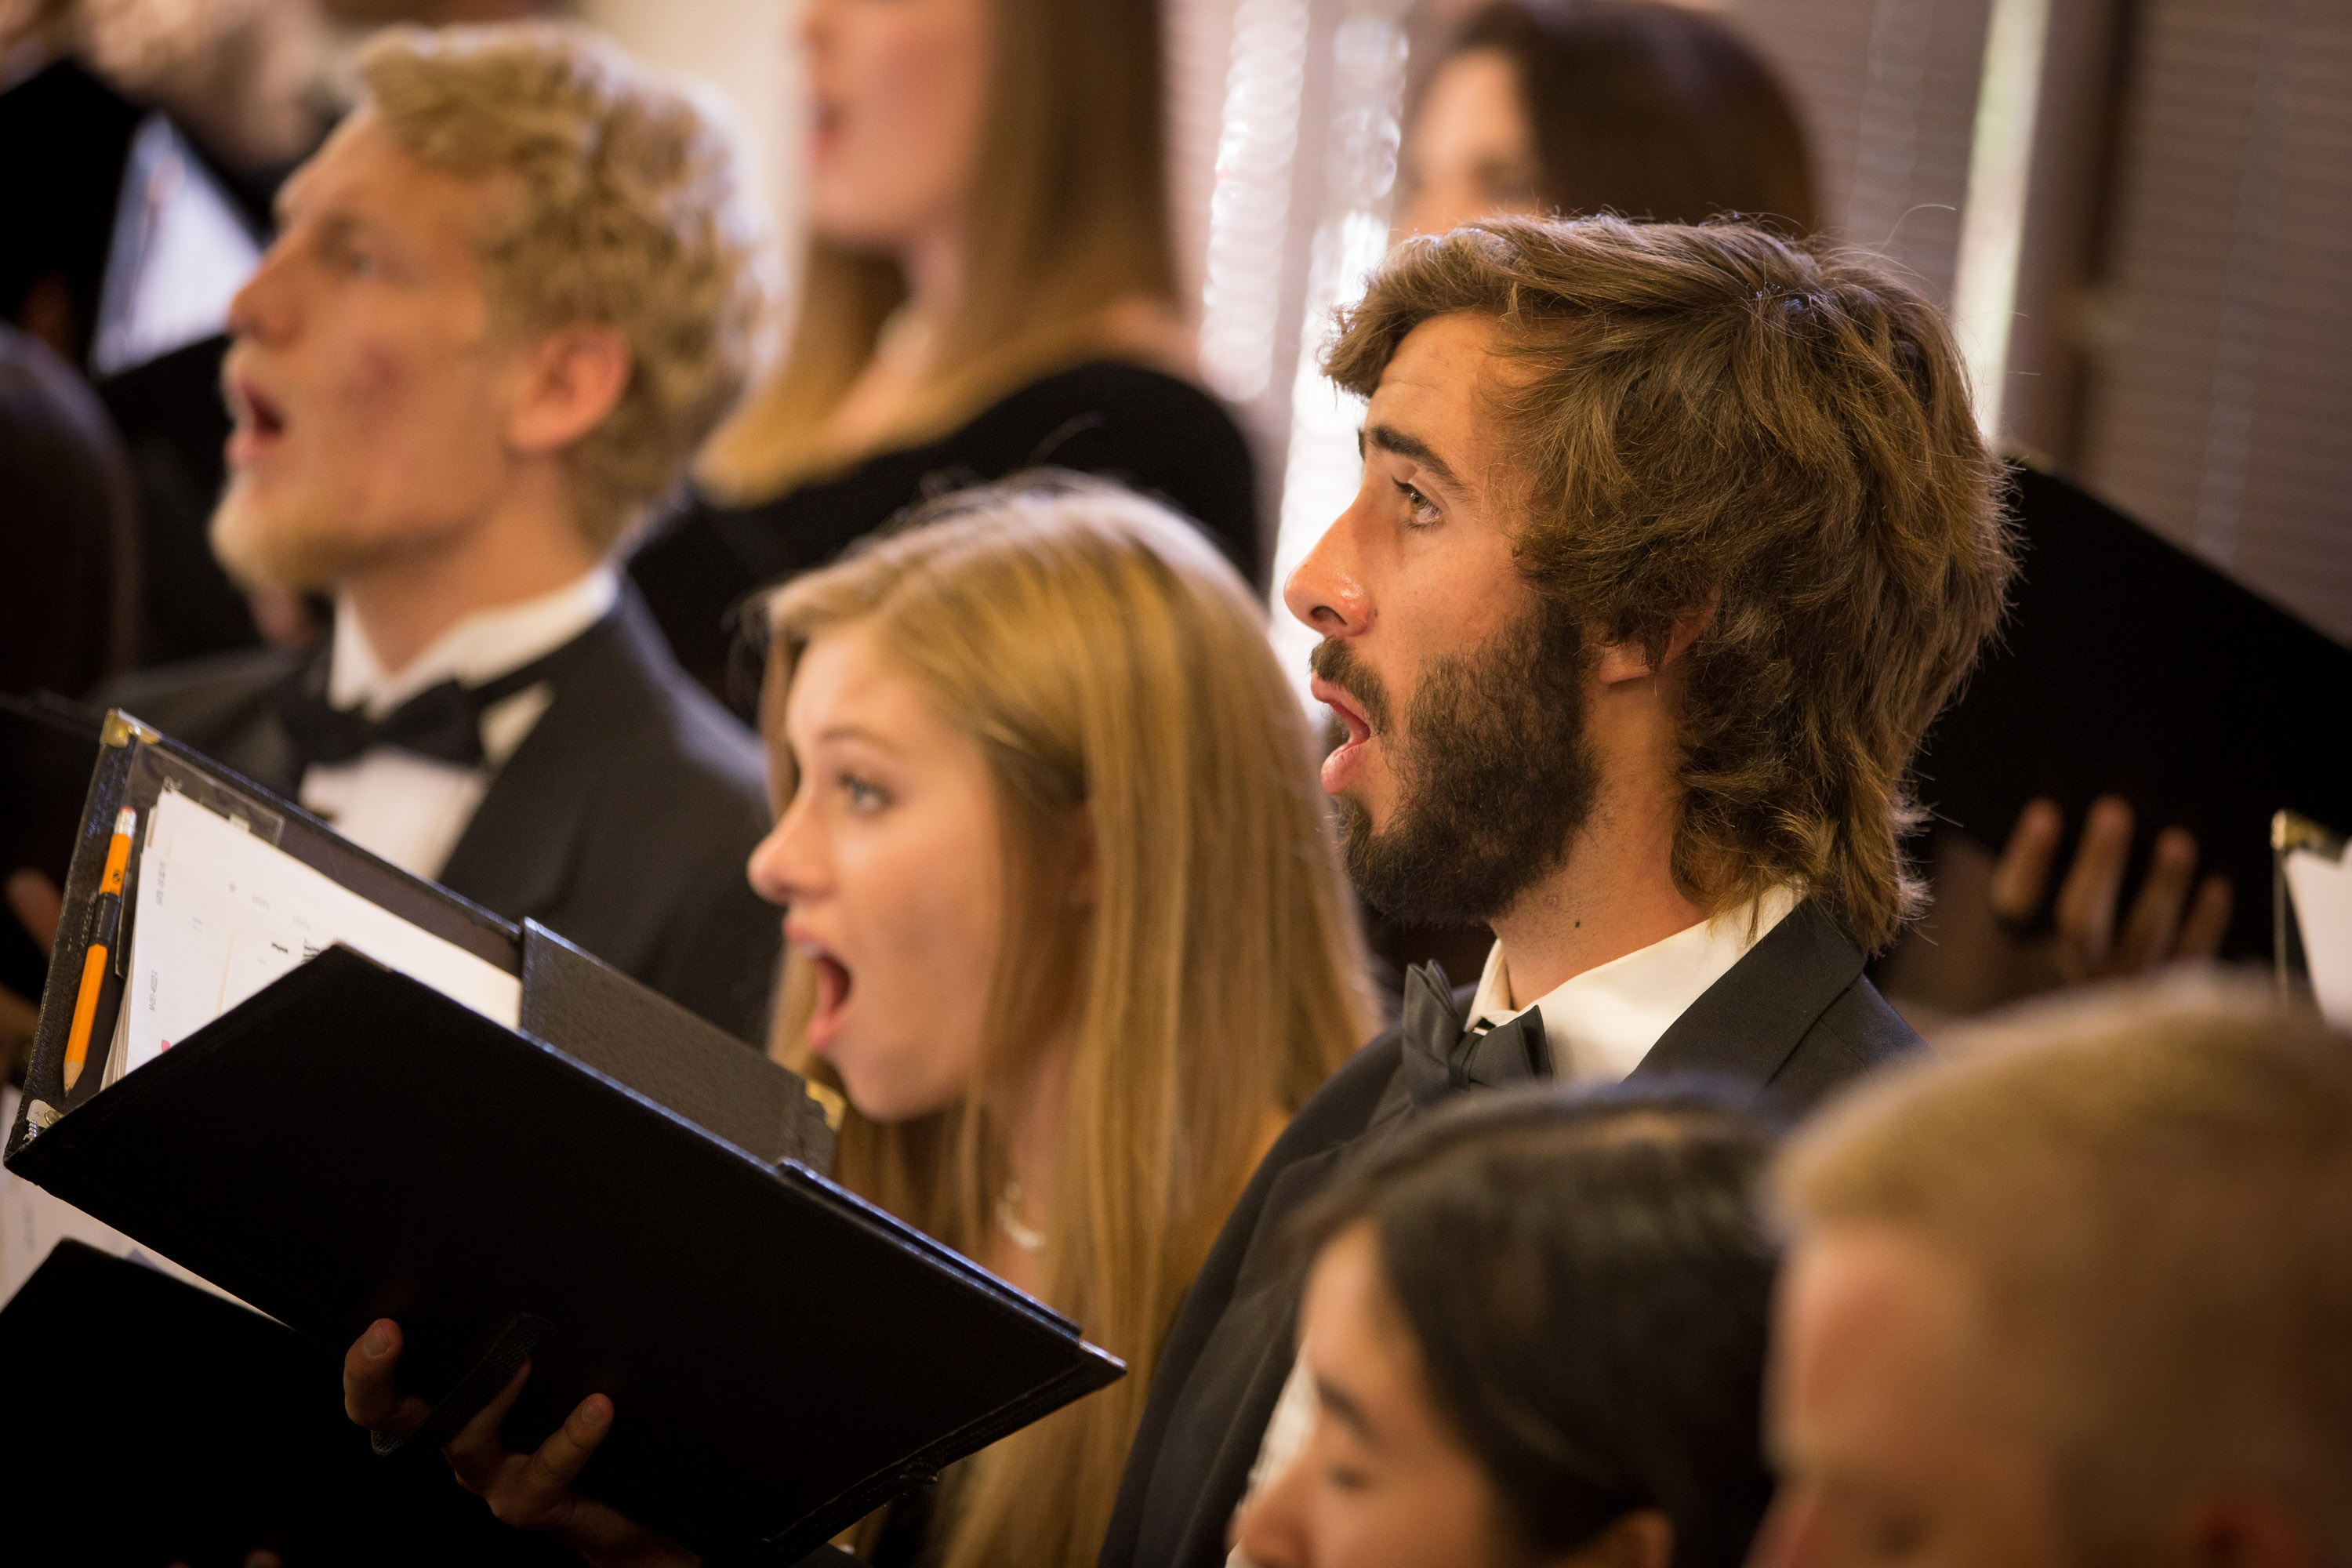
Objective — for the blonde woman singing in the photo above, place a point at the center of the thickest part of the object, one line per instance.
(989, 285)
(1067, 930)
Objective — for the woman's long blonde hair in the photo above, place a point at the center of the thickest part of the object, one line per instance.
(1069, 217)
(1116, 673)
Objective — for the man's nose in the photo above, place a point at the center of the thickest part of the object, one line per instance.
(264, 307)
(1327, 590)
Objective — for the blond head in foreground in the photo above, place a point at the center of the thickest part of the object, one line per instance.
(2080, 1292)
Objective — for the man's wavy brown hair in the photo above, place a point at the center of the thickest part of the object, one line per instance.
(1713, 420)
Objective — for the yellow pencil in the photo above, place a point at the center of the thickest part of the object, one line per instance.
(93, 964)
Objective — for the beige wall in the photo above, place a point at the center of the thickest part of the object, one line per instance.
(742, 48)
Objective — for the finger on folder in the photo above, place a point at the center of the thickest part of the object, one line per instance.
(530, 1491)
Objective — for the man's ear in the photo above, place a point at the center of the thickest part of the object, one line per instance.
(569, 380)
(1621, 661)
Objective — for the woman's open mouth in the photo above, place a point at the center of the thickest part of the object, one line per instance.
(833, 988)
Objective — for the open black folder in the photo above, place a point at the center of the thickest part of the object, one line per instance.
(173, 1427)
(2129, 667)
(606, 1185)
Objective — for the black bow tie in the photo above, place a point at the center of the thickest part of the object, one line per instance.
(1441, 1057)
(442, 722)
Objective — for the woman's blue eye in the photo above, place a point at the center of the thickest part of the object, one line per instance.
(863, 796)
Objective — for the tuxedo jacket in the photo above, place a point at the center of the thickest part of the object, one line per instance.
(622, 822)
(1795, 1017)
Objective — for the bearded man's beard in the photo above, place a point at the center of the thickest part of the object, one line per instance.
(1495, 773)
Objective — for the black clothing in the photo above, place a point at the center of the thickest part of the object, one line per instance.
(1795, 1017)
(174, 427)
(69, 544)
(622, 822)
(65, 136)
(68, 606)
(1163, 436)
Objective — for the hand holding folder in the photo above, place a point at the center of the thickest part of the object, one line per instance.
(341, 1094)
(531, 1491)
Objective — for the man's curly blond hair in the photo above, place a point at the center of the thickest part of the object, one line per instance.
(627, 209)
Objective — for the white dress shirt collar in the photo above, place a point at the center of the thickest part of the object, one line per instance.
(1602, 1023)
(413, 810)
(481, 646)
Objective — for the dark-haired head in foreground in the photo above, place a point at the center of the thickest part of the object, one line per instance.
(1536, 1329)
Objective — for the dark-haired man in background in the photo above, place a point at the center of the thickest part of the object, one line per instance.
(1671, 542)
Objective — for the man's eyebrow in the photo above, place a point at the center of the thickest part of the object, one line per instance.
(1344, 1409)
(342, 224)
(1389, 439)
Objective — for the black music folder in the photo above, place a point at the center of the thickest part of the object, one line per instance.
(341, 1093)
(152, 1421)
(2129, 667)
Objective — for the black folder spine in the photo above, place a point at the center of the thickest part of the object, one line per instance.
(45, 1097)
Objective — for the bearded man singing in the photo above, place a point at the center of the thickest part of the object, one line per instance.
(510, 297)
(1670, 540)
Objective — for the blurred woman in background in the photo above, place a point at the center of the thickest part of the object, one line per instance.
(989, 285)
(1067, 932)
(1647, 110)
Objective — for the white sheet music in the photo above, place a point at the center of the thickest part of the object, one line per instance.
(2321, 890)
(222, 913)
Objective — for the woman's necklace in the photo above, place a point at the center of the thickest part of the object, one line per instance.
(1025, 1237)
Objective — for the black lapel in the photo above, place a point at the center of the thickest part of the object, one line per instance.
(256, 744)
(516, 854)
(1234, 1386)
(1747, 1024)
